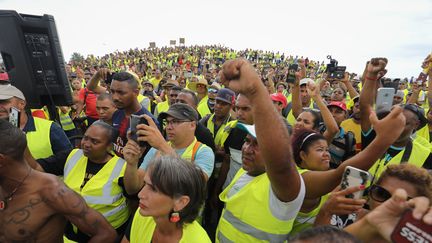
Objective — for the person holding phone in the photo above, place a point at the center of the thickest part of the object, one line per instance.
(181, 121)
(404, 149)
(44, 138)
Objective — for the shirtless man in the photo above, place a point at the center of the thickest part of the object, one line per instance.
(34, 206)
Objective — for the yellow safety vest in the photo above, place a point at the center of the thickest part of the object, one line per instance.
(424, 132)
(306, 220)
(142, 230)
(223, 132)
(203, 108)
(66, 121)
(141, 98)
(39, 142)
(162, 107)
(417, 157)
(102, 192)
(247, 216)
(191, 150)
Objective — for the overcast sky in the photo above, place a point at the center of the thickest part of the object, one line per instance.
(351, 31)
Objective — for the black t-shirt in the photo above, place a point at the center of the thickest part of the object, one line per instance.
(235, 139)
(391, 152)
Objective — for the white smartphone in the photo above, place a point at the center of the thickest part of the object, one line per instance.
(384, 99)
(354, 177)
(14, 117)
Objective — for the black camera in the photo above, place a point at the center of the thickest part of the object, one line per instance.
(333, 70)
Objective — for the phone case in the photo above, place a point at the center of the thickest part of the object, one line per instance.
(384, 100)
(410, 229)
(354, 177)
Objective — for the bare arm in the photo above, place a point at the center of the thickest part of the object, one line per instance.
(352, 92)
(133, 177)
(387, 129)
(93, 84)
(240, 76)
(297, 106)
(370, 85)
(80, 107)
(415, 94)
(68, 203)
(331, 126)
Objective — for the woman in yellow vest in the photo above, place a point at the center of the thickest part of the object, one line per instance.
(310, 150)
(96, 174)
(169, 202)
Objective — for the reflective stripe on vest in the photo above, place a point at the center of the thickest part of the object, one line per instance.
(252, 231)
(253, 221)
(102, 191)
(223, 131)
(38, 141)
(66, 121)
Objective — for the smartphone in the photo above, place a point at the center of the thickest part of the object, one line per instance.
(354, 177)
(135, 120)
(292, 69)
(14, 117)
(384, 99)
(409, 229)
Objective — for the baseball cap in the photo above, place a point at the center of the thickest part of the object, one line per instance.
(226, 95)
(8, 91)
(193, 85)
(419, 112)
(250, 129)
(279, 98)
(306, 80)
(339, 104)
(180, 111)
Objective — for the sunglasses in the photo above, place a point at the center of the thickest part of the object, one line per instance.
(380, 194)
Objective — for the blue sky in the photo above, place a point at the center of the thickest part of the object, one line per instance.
(351, 31)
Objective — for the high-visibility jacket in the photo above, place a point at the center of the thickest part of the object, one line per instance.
(142, 230)
(424, 132)
(191, 150)
(102, 192)
(66, 121)
(418, 156)
(145, 101)
(38, 141)
(247, 216)
(203, 108)
(223, 132)
(161, 107)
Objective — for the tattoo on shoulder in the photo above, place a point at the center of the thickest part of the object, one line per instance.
(74, 206)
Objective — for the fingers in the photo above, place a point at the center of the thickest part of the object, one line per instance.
(150, 121)
(420, 205)
(351, 190)
(428, 217)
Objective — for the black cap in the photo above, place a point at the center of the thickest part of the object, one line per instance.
(180, 111)
(226, 95)
(419, 112)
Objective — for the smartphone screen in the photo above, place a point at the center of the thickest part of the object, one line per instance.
(14, 117)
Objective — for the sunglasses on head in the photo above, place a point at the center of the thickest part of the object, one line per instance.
(380, 194)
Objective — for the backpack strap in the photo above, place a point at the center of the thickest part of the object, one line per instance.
(407, 152)
(195, 150)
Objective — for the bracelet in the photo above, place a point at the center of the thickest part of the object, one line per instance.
(371, 79)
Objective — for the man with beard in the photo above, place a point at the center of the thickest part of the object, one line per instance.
(124, 90)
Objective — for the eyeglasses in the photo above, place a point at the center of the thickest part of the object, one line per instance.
(380, 194)
(175, 122)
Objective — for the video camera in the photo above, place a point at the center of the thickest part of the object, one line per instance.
(333, 70)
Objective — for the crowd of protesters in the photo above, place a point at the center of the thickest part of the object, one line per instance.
(229, 146)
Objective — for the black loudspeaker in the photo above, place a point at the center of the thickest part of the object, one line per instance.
(32, 55)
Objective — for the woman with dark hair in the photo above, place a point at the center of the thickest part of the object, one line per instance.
(169, 203)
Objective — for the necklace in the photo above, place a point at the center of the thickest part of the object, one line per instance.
(4, 202)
